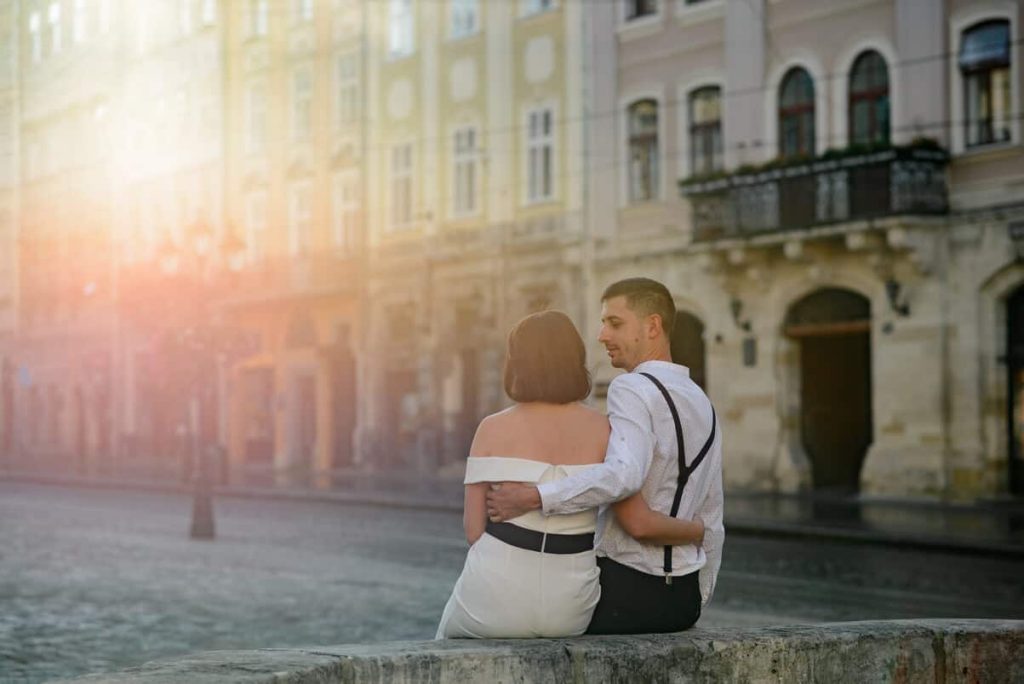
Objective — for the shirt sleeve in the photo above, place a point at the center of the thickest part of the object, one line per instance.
(629, 456)
(711, 513)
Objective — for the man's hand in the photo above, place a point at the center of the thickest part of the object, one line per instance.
(507, 500)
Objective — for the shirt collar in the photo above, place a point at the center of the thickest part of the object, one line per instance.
(665, 365)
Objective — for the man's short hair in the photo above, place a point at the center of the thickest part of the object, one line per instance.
(645, 297)
(546, 360)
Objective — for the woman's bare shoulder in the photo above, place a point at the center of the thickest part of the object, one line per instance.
(489, 432)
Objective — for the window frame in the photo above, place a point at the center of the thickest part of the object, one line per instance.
(346, 209)
(406, 178)
(300, 218)
(347, 90)
(401, 40)
(256, 135)
(464, 178)
(35, 32)
(55, 24)
(256, 224)
(984, 75)
(802, 112)
(301, 104)
(692, 128)
(871, 96)
(654, 162)
(539, 143)
(455, 31)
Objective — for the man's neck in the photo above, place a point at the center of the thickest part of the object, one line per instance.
(654, 355)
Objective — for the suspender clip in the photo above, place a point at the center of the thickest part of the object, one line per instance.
(668, 579)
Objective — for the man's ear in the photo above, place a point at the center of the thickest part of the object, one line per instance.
(654, 325)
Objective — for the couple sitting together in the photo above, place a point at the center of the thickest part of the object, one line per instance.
(579, 522)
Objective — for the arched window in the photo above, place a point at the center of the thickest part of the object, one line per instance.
(705, 130)
(796, 114)
(643, 151)
(985, 67)
(869, 100)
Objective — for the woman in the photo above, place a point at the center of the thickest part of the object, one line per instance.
(536, 575)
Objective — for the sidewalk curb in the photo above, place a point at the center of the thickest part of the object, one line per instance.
(740, 526)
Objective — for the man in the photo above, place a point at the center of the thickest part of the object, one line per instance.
(644, 588)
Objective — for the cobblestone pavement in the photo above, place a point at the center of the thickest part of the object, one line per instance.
(95, 580)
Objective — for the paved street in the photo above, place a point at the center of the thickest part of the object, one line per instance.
(94, 580)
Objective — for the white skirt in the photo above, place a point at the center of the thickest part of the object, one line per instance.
(508, 592)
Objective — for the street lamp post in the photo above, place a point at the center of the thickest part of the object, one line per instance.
(197, 259)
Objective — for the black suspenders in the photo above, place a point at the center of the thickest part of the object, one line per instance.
(684, 470)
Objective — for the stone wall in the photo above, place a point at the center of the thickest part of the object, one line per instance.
(883, 651)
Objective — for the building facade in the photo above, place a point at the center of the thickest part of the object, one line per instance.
(295, 146)
(9, 187)
(475, 211)
(833, 195)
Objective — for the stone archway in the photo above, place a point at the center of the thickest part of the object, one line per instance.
(831, 328)
(687, 341)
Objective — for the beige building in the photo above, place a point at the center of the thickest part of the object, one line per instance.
(474, 208)
(845, 245)
(294, 160)
(9, 38)
(66, 77)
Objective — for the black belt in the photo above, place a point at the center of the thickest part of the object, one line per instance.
(531, 540)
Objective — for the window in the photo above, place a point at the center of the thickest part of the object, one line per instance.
(796, 114)
(300, 218)
(984, 62)
(464, 172)
(401, 185)
(346, 211)
(705, 130)
(348, 90)
(869, 100)
(302, 10)
(256, 224)
(636, 9)
(464, 17)
(643, 151)
(79, 29)
(540, 155)
(185, 16)
(258, 17)
(53, 15)
(209, 12)
(35, 37)
(536, 6)
(302, 103)
(256, 119)
(400, 28)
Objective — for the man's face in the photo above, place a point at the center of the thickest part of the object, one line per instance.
(622, 333)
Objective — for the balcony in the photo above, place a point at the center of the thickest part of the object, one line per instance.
(889, 182)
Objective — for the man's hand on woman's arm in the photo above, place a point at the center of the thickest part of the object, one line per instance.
(652, 527)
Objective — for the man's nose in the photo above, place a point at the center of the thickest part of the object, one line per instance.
(602, 334)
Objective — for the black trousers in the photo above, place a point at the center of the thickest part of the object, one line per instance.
(633, 602)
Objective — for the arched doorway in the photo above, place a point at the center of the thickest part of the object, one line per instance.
(1015, 388)
(832, 329)
(687, 340)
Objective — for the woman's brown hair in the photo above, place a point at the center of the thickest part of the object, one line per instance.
(546, 360)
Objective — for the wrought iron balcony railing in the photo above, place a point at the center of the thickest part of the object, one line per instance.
(863, 186)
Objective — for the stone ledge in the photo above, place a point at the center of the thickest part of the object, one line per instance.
(879, 651)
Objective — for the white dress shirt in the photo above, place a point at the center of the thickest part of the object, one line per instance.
(642, 456)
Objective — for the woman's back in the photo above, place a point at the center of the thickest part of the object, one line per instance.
(509, 591)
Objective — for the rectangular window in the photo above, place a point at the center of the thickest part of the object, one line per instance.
(302, 103)
(348, 90)
(35, 37)
(346, 211)
(256, 224)
(537, 6)
(258, 17)
(464, 17)
(984, 62)
(539, 155)
(80, 26)
(302, 10)
(185, 16)
(705, 130)
(401, 185)
(464, 176)
(56, 42)
(400, 28)
(641, 8)
(209, 12)
(300, 218)
(256, 119)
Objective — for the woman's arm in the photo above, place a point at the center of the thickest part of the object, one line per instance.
(474, 511)
(651, 527)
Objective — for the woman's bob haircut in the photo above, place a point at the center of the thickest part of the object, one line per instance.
(546, 360)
